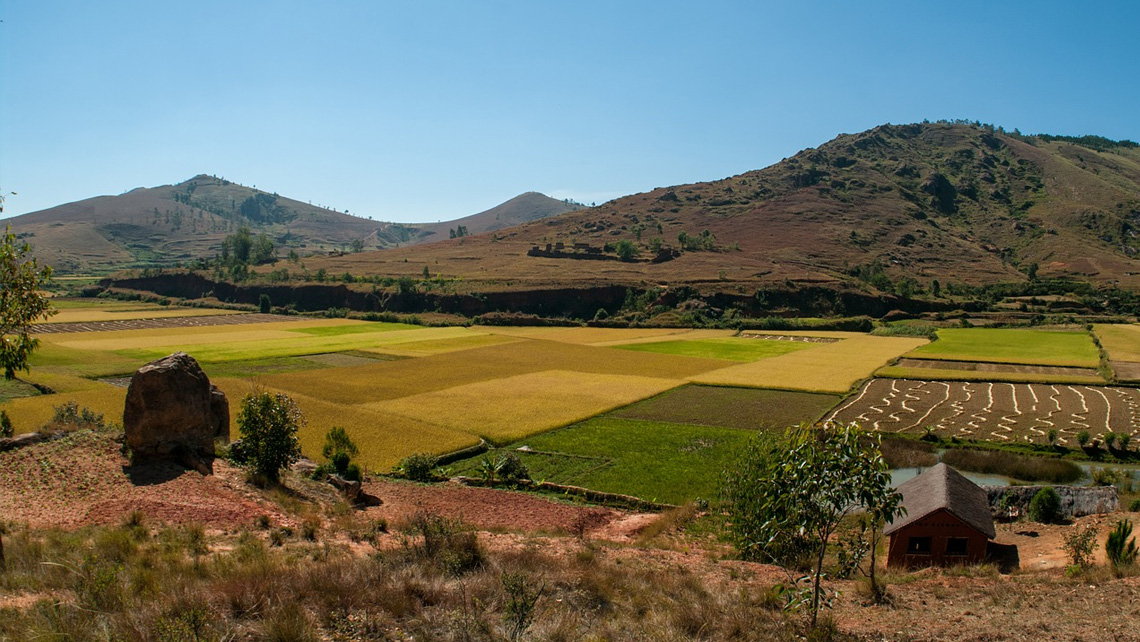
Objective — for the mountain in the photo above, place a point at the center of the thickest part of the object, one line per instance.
(148, 227)
(898, 206)
(523, 208)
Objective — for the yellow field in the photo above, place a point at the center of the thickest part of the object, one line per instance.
(443, 345)
(605, 336)
(1121, 342)
(511, 408)
(829, 367)
(29, 414)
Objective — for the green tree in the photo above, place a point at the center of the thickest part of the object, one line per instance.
(338, 441)
(626, 250)
(22, 302)
(787, 496)
(268, 424)
(263, 304)
(6, 429)
(1045, 507)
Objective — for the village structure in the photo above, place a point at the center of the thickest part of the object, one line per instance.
(947, 521)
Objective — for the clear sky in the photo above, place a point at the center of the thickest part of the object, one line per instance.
(426, 110)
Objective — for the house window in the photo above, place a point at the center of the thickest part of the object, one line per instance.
(957, 545)
(918, 546)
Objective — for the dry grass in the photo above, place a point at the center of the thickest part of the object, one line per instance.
(443, 345)
(132, 311)
(831, 367)
(511, 408)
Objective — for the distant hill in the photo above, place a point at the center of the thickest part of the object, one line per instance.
(895, 207)
(171, 224)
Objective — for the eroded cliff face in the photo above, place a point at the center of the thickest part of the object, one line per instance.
(575, 303)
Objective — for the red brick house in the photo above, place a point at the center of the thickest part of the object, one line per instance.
(947, 521)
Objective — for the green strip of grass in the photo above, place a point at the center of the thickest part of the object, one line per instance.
(657, 461)
(731, 349)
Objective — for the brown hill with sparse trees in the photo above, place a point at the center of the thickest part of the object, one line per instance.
(894, 208)
(173, 224)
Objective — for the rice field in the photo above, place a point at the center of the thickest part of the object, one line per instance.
(1013, 345)
(90, 310)
(742, 408)
(825, 367)
(1121, 342)
(993, 411)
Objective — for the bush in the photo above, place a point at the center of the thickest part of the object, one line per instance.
(1120, 548)
(1110, 439)
(1135, 505)
(1045, 507)
(70, 415)
(1107, 476)
(454, 549)
(6, 429)
(1083, 438)
(1124, 439)
(1079, 546)
(417, 467)
(263, 304)
(269, 425)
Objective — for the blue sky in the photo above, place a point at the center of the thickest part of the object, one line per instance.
(429, 110)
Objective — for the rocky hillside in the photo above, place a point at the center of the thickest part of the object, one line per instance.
(171, 224)
(895, 207)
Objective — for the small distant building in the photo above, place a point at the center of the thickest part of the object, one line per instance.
(947, 522)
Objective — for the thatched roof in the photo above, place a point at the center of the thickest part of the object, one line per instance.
(942, 487)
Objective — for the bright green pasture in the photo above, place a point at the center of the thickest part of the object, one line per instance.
(744, 408)
(338, 330)
(654, 460)
(732, 348)
(1012, 345)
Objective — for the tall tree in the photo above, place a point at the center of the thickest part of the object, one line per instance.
(22, 302)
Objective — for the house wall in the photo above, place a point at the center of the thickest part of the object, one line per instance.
(939, 527)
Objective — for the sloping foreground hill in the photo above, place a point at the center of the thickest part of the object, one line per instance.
(954, 202)
(171, 224)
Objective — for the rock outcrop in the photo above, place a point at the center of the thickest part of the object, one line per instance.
(174, 412)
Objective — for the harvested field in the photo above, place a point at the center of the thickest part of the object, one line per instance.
(166, 318)
(510, 408)
(603, 336)
(993, 411)
(907, 368)
(1067, 348)
(833, 367)
(743, 408)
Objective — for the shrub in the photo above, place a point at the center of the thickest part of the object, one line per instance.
(70, 415)
(263, 304)
(1079, 545)
(339, 450)
(1124, 439)
(1045, 507)
(1052, 436)
(269, 425)
(6, 429)
(446, 542)
(1083, 438)
(1110, 439)
(1107, 476)
(417, 467)
(1135, 505)
(1121, 547)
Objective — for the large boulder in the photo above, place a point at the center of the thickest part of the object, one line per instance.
(174, 412)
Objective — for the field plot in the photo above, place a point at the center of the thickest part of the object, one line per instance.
(743, 408)
(100, 310)
(660, 461)
(731, 349)
(510, 408)
(1122, 343)
(976, 371)
(993, 411)
(604, 336)
(1013, 345)
(827, 367)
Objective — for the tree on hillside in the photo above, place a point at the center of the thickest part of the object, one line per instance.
(268, 424)
(786, 496)
(22, 302)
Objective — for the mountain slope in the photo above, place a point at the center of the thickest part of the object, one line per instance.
(524, 208)
(178, 223)
(958, 203)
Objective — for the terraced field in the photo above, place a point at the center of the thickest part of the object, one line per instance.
(992, 411)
